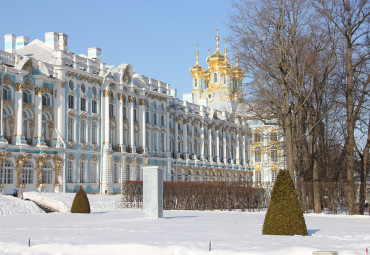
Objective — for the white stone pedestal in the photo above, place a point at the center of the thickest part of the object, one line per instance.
(153, 192)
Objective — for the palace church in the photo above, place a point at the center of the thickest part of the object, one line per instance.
(70, 120)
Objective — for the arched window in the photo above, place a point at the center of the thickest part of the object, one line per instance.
(94, 106)
(71, 129)
(189, 176)
(257, 137)
(273, 176)
(257, 154)
(26, 126)
(162, 143)
(28, 169)
(6, 176)
(44, 127)
(128, 172)
(70, 167)
(206, 176)
(273, 137)
(83, 106)
(115, 173)
(83, 130)
(214, 77)
(198, 176)
(45, 100)
(83, 172)
(6, 124)
(7, 95)
(111, 132)
(274, 156)
(258, 176)
(195, 82)
(137, 135)
(94, 132)
(93, 172)
(71, 101)
(47, 173)
(26, 96)
(155, 140)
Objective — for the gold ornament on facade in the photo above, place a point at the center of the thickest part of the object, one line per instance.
(29, 67)
(41, 160)
(131, 99)
(106, 93)
(119, 97)
(8, 81)
(38, 91)
(126, 75)
(18, 87)
(21, 159)
(142, 101)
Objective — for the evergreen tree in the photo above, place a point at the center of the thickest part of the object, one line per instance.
(80, 202)
(284, 215)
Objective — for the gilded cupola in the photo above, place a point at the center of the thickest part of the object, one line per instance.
(237, 71)
(216, 58)
(197, 69)
(226, 66)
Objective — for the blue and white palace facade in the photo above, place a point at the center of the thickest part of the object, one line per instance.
(69, 120)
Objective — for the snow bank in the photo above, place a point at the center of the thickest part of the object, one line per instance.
(62, 202)
(13, 205)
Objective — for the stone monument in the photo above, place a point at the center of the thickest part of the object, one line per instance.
(153, 192)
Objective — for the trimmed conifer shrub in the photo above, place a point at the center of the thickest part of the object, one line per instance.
(284, 215)
(80, 202)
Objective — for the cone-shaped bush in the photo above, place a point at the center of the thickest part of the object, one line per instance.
(80, 202)
(284, 215)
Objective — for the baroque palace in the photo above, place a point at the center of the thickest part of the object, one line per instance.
(69, 120)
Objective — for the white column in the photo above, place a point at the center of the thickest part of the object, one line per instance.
(210, 156)
(202, 125)
(218, 143)
(59, 111)
(224, 145)
(39, 140)
(176, 136)
(105, 119)
(106, 181)
(192, 140)
(142, 124)
(244, 148)
(19, 138)
(167, 116)
(229, 145)
(237, 151)
(185, 132)
(131, 100)
(120, 121)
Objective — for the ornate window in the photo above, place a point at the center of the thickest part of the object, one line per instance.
(44, 127)
(26, 96)
(155, 138)
(83, 172)
(47, 173)
(70, 165)
(71, 129)
(274, 154)
(111, 132)
(83, 130)
(83, 104)
(124, 113)
(257, 137)
(71, 100)
(111, 110)
(27, 118)
(94, 132)
(162, 143)
(137, 135)
(7, 94)
(6, 175)
(273, 176)
(258, 176)
(273, 137)
(128, 173)
(115, 172)
(46, 100)
(93, 172)
(94, 106)
(257, 154)
(195, 82)
(28, 169)
(83, 88)
(214, 77)
(125, 134)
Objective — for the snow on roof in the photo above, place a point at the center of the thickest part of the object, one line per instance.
(36, 49)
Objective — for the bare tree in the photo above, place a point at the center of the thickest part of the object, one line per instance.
(351, 19)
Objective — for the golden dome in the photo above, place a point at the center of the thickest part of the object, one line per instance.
(216, 58)
(226, 66)
(197, 69)
(237, 71)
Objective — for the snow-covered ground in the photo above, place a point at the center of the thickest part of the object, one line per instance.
(109, 231)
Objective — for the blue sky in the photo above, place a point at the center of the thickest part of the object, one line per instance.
(157, 37)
